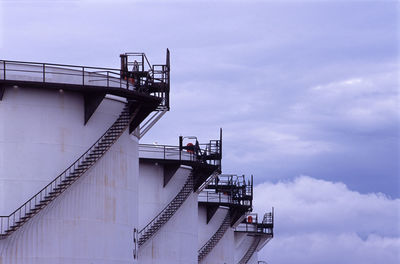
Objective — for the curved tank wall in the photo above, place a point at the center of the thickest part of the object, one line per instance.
(243, 242)
(223, 252)
(41, 133)
(173, 243)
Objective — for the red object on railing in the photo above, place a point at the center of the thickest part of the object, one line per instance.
(190, 148)
(249, 219)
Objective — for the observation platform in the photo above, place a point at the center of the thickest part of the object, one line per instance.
(252, 225)
(205, 159)
(147, 85)
(229, 191)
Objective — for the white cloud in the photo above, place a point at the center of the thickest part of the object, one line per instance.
(334, 248)
(318, 221)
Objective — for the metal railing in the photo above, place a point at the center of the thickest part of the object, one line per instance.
(225, 181)
(88, 77)
(6, 222)
(153, 79)
(231, 187)
(167, 212)
(229, 198)
(62, 73)
(251, 224)
(168, 152)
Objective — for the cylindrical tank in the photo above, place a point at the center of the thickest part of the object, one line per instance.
(175, 241)
(243, 242)
(42, 132)
(223, 250)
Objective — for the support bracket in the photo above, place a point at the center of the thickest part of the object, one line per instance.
(169, 172)
(92, 100)
(2, 89)
(211, 210)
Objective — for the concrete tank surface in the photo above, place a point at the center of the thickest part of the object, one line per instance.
(176, 241)
(243, 242)
(42, 132)
(223, 252)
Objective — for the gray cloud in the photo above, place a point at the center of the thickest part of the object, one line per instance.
(276, 76)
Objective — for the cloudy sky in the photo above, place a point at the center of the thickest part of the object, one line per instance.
(307, 93)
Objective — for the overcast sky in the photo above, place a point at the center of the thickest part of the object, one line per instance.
(307, 94)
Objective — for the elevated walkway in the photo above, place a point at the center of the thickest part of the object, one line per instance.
(148, 92)
(205, 159)
(150, 87)
(230, 191)
(260, 231)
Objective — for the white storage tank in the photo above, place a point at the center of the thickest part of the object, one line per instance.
(41, 134)
(52, 116)
(173, 243)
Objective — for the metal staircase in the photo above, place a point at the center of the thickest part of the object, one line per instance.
(10, 223)
(251, 250)
(151, 228)
(210, 244)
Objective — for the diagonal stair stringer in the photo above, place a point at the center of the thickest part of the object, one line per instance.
(9, 224)
(213, 241)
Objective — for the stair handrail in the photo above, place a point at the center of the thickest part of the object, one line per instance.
(69, 168)
(204, 185)
(190, 178)
(226, 219)
(246, 257)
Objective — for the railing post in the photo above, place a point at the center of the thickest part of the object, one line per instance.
(44, 72)
(83, 76)
(108, 78)
(4, 69)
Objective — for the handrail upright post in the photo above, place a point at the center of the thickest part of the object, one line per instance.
(108, 78)
(44, 73)
(4, 69)
(83, 76)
